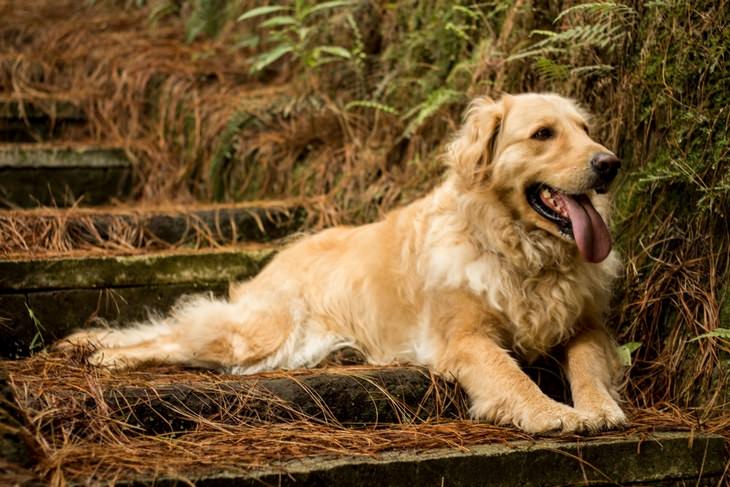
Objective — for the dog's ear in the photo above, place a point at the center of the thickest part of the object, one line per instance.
(471, 152)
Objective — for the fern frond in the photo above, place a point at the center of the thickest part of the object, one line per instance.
(551, 71)
(423, 111)
(372, 105)
(599, 8)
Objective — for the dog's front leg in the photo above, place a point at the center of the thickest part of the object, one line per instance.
(501, 392)
(498, 388)
(592, 368)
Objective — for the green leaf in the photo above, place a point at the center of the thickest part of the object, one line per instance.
(717, 332)
(259, 11)
(326, 6)
(625, 351)
(278, 21)
(336, 51)
(247, 42)
(466, 10)
(271, 56)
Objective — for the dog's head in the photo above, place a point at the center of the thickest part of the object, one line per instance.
(534, 152)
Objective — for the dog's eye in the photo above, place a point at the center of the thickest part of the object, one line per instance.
(587, 131)
(542, 134)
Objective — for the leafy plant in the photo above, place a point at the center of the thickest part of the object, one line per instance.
(431, 66)
(292, 31)
(207, 17)
(587, 27)
(625, 351)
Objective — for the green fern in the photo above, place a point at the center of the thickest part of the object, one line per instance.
(224, 151)
(551, 70)
(596, 25)
(423, 111)
(292, 30)
(599, 8)
(207, 18)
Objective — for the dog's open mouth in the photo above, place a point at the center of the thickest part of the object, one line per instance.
(575, 217)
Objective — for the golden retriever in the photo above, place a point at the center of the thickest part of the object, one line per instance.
(508, 259)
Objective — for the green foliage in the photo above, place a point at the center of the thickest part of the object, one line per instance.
(436, 100)
(717, 332)
(431, 64)
(37, 343)
(584, 30)
(293, 31)
(224, 151)
(207, 18)
(625, 351)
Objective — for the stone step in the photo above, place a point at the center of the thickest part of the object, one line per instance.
(32, 175)
(42, 300)
(168, 405)
(38, 120)
(47, 230)
(665, 458)
(354, 396)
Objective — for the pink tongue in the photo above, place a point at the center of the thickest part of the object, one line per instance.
(589, 230)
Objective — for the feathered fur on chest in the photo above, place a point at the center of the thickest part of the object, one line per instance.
(537, 288)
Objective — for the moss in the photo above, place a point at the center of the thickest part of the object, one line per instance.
(162, 268)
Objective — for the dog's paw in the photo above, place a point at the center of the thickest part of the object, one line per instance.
(90, 339)
(555, 418)
(111, 359)
(607, 417)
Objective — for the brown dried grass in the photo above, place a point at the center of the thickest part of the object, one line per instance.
(127, 230)
(78, 433)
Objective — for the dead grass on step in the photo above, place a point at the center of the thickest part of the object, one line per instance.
(79, 433)
(119, 230)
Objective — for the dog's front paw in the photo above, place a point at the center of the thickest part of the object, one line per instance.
(607, 417)
(555, 418)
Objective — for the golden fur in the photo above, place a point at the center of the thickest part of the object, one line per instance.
(465, 281)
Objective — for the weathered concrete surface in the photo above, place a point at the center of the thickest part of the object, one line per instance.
(42, 300)
(31, 175)
(114, 271)
(30, 156)
(59, 312)
(659, 459)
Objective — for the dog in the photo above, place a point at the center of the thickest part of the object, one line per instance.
(507, 260)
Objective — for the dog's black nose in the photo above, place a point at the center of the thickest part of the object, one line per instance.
(606, 166)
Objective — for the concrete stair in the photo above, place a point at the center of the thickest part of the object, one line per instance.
(43, 299)
(34, 175)
(662, 459)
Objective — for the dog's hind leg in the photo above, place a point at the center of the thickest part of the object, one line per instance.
(202, 332)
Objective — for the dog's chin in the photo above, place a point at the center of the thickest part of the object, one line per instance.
(570, 217)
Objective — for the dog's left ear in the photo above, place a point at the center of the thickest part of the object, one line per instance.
(471, 153)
